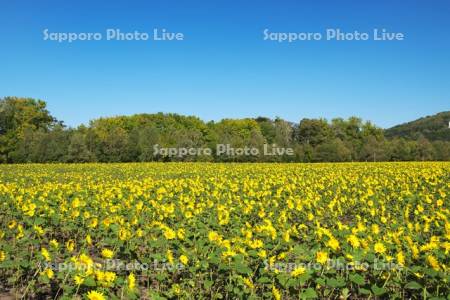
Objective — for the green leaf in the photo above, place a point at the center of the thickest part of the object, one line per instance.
(291, 282)
(242, 268)
(214, 259)
(364, 291)
(160, 277)
(89, 281)
(321, 281)
(237, 291)
(223, 267)
(358, 279)
(430, 272)
(336, 282)
(283, 279)
(413, 285)
(309, 293)
(264, 280)
(378, 291)
(345, 293)
(43, 279)
(39, 221)
(208, 284)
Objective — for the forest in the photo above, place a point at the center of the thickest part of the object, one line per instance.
(29, 133)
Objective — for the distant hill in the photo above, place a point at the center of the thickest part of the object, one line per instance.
(434, 128)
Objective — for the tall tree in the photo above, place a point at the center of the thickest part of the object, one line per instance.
(18, 116)
(313, 131)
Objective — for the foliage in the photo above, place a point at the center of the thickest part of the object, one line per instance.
(28, 133)
(433, 128)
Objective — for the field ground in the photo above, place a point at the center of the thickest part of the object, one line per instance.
(225, 231)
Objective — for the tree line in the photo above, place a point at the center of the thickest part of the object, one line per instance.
(29, 133)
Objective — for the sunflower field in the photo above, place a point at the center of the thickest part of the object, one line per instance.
(225, 231)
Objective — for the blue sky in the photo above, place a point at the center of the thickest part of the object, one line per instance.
(223, 67)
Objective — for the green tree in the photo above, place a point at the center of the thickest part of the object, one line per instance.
(18, 115)
(333, 151)
(374, 149)
(148, 137)
(441, 150)
(313, 132)
(78, 150)
(425, 149)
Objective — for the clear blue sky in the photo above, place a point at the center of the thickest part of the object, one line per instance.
(224, 68)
